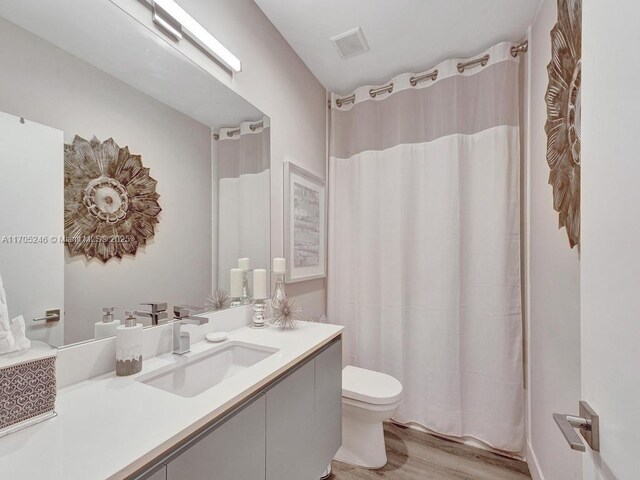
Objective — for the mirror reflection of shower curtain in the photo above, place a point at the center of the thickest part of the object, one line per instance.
(243, 198)
(424, 245)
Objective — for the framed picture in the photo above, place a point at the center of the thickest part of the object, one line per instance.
(305, 224)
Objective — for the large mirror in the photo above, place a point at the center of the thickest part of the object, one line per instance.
(130, 175)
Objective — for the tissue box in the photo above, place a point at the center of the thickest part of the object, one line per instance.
(27, 387)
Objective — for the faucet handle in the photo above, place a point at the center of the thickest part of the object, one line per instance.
(156, 307)
(184, 311)
(107, 314)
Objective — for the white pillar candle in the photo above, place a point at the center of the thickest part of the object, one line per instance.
(259, 284)
(236, 283)
(244, 264)
(279, 265)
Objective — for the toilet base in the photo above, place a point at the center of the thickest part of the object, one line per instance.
(362, 443)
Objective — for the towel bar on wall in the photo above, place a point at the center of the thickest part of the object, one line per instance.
(50, 316)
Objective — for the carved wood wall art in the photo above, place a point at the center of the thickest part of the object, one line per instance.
(563, 116)
(110, 201)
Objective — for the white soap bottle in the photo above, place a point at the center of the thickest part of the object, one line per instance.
(107, 327)
(129, 346)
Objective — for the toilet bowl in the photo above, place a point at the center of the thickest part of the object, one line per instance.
(368, 399)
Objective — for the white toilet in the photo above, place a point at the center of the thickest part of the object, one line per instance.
(368, 399)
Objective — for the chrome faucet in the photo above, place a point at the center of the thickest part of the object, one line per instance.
(185, 314)
(158, 312)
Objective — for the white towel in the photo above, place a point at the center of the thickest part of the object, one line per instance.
(7, 341)
(18, 330)
(4, 311)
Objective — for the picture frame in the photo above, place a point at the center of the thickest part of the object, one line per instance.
(305, 224)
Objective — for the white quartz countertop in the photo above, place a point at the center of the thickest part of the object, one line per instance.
(108, 427)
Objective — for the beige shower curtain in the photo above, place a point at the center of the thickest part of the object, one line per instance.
(424, 245)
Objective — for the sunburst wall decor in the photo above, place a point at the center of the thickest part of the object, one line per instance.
(563, 116)
(110, 201)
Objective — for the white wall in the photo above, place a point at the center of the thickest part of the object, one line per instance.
(45, 84)
(553, 325)
(277, 82)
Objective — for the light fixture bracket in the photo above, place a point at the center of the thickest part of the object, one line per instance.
(166, 22)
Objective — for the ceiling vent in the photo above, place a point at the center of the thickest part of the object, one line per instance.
(351, 43)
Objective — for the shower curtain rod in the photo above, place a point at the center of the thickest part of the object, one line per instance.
(518, 49)
(253, 127)
(515, 51)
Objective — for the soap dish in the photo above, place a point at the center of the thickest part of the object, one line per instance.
(216, 337)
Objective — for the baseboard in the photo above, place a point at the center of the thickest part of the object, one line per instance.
(534, 466)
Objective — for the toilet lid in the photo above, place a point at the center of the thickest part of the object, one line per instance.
(370, 387)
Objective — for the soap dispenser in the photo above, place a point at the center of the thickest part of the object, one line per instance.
(107, 327)
(129, 346)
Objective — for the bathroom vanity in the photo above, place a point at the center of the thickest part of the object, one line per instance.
(289, 430)
(277, 419)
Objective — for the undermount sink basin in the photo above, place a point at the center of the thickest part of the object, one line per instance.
(195, 374)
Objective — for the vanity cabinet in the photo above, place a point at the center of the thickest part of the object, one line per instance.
(289, 431)
(304, 418)
(328, 406)
(231, 450)
(290, 426)
(157, 473)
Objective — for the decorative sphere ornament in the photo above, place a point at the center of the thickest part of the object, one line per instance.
(218, 300)
(286, 313)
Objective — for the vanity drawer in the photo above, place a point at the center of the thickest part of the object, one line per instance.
(290, 426)
(159, 472)
(304, 418)
(328, 401)
(232, 450)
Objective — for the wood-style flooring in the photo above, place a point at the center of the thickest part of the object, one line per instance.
(414, 455)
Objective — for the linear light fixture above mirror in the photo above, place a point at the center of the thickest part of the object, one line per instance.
(187, 25)
(166, 23)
